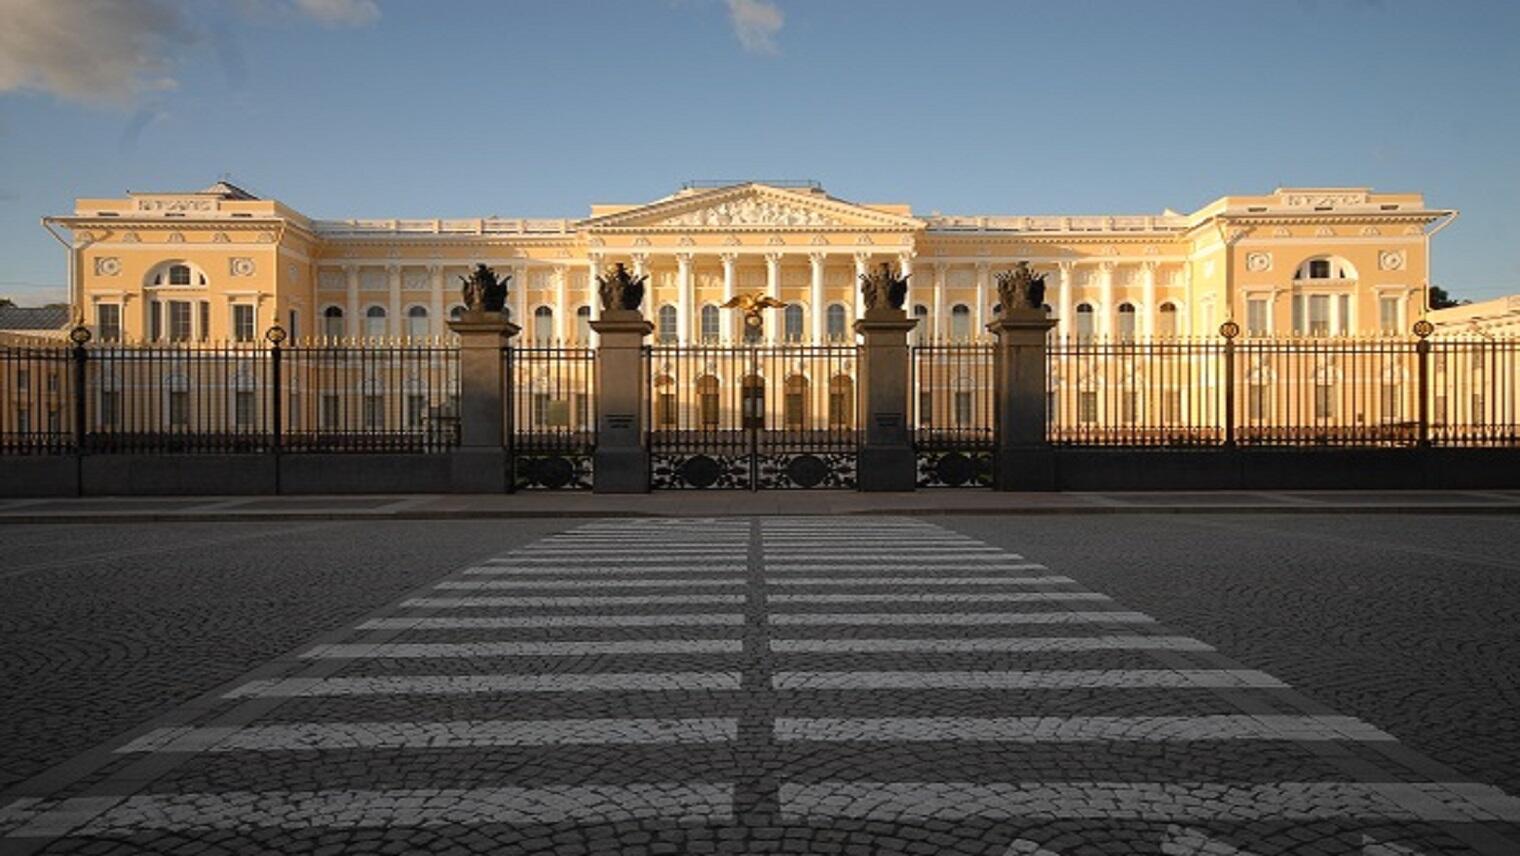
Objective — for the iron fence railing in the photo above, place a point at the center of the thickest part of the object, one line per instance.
(38, 392)
(372, 398)
(550, 406)
(953, 395)
(1166, 392)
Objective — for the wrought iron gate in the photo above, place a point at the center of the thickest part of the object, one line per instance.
(752, 417)
(955, 419)
(550, 401)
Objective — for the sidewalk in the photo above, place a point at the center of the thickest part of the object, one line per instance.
(740, 503)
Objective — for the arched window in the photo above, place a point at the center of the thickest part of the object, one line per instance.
(1325, 267)
(1126, 331)
(960, 323)
(792, 319)
(332, 322)
(175, 273)
(583, 324)
(841, 402)
(707, 401)
(543, 324)
(179, 274)
(835, 321)
(711, 323)
(1166, 320)
(796, 402)
(417, 322)
(1084, 326)
(665, 401)
(374, 322)
(456, 313)
(667, 318)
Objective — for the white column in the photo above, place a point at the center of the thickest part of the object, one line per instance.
(726, 321)
(820, 311)
(905, 268)
(593, 297)
(979, 316)
(936, 330)
(773, 289)
(352, 312)
(435, 300)
(1068, 285)
(558, 279)
(395, 325)
(861, 261)
(1106, 290)
(519, 291)
(1148, 294)
(683, 297)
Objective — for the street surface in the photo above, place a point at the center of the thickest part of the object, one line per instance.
(1152, 684)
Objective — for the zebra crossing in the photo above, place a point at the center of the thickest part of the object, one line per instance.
(702, 681)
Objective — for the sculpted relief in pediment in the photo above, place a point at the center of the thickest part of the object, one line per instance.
(752, 212)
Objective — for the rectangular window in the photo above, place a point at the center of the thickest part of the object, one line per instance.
(293, 412)
(52, 382)
(1087, 406)
(374, 412)
(416, 406)
(23, 421)
(1126, 324)
(792, 324)
(179, 320)
(1129, 409)
(1256, 402)
(205, 320)
(331, 414)
(1256, 317)
(1171, 407)
(665, 409)
(54, 420)
(108, 321)
(1388, 315)
(1084, 325)
(1324, 400)
(709, 324)
(925, 407)
(963, 408)
(709, 406)
(242, 407)
(1343, 304)
(242, 322)
(795, 408)
(23, 378)
(1166, 321)
(1390, 402)
(110, 408)
(179, 409)
(294, 325)
(1300, 315)
(1319, 315)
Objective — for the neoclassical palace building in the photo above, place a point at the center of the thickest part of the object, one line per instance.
(223, 264)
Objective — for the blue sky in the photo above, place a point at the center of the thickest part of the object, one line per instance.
(447, 108)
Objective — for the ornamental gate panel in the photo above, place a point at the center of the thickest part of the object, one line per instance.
(550, 402)
(752, 417)
(954, 414)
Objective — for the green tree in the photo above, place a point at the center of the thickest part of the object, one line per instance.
(6, 302)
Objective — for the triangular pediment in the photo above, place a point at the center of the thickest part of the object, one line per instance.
(752, 206)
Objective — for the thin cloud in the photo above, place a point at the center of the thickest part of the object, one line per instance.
(96, 51)
(756, 23)
(346, 13)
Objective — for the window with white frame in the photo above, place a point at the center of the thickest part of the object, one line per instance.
(417, 322)
(108, 322)
(835, 321)
(792, 323)
(1256, 316)
(921, 330)
(374, 322)
(1126, 329)
(1166, 320)
(960, 323)
(1085, 322)
(242, 409)
(242, 322)
(583, 324)
(332, 322)
(667, 318)
(711, 323)
(543, 324)
(179, 321)
(1325, 268)
(1388, 314)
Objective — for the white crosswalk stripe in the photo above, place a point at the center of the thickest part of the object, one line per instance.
(381, 685)
(618, 647)
(1010, 645)
(1079, 729)
(500, 622)
(308, 736)
(1024, 680)
(582, 583)
(589, 600)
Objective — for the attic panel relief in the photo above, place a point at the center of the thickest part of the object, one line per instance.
(752, 212)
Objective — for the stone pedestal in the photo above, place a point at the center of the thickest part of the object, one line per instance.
(886, 460)
(1024, 457)
(622, 458)
(479, 463)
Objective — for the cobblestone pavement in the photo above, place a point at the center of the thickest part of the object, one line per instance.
(797, 685)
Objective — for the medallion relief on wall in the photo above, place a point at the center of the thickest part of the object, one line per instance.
(1258, 262)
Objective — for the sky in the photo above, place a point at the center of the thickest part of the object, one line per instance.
(454, 108)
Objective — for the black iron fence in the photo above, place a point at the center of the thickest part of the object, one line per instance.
(229, 398)
(1266, 391)
(752, 416)
(954, 413)
(550, 400)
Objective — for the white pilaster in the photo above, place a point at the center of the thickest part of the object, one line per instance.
(1148, 294)
(683, 297)
(394, 322)
(1068, 285)
(936, 330)
(351, 313)
(593, 298)
(1106, 290)
(436, 315)
(559, 278)
(820, 312)
(905, 269)
(979, 315)
(773, 289)
(726, 321)
(519, 291)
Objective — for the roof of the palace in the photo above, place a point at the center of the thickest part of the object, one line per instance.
(34, 317)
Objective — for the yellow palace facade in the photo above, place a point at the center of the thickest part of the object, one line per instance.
(221, 264)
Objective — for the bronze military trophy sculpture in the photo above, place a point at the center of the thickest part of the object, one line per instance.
(1020, 288)
(483, 290)
(620, 290)
(883, 289)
